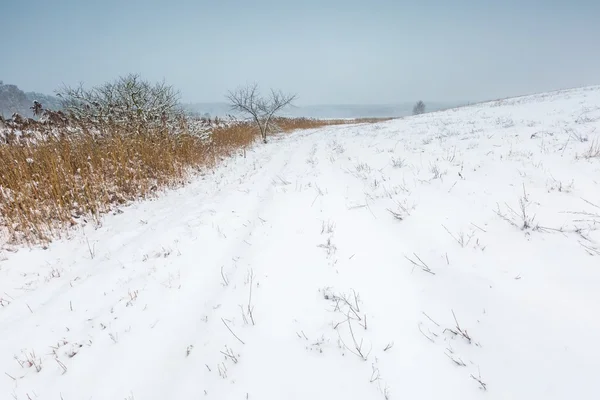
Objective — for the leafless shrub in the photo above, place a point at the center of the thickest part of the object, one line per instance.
(261, 109)
(129, 99)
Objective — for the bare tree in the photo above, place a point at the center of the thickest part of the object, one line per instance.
(419, 108)
(261, 109)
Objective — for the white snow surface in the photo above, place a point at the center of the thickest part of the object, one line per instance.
(154, 303)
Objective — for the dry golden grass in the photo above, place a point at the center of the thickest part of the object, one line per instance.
(291, 124)
(50, 181)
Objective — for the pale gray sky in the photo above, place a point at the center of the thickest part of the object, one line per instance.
(379, 51)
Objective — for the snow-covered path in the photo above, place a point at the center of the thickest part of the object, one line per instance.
(356, 262)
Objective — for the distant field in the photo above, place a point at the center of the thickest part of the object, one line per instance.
(328, 111)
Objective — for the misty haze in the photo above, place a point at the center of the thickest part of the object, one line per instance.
(299, 200)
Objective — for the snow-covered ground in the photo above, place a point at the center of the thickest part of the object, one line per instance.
(453, 255)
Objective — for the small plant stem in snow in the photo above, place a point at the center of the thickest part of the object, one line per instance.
(234, 335)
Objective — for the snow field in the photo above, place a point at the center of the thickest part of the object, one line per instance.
(453, 254)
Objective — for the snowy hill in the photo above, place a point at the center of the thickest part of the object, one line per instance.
(14, 100)
(450, 255)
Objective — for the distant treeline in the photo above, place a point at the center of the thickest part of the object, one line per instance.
(14, 100)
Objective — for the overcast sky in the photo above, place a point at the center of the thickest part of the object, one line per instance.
(329, 52)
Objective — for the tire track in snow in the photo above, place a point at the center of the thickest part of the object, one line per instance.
(291, 271)
(200, 279)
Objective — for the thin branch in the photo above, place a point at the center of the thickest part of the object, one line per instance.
(225, 280)
(423, 333)
(429, 318)
(481, 229)
(225, 323)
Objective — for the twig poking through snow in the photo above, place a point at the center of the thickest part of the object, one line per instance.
(250, 308)
(420, 264)
(461, 240)
(225, 280)
(62, 366)
(459, 330)
(228, 353)
(482, 384)
(429, 318)
(358, 347)
(423, 333)
(481, 229)
(396, 215)
(455, 360)
(234, 335)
